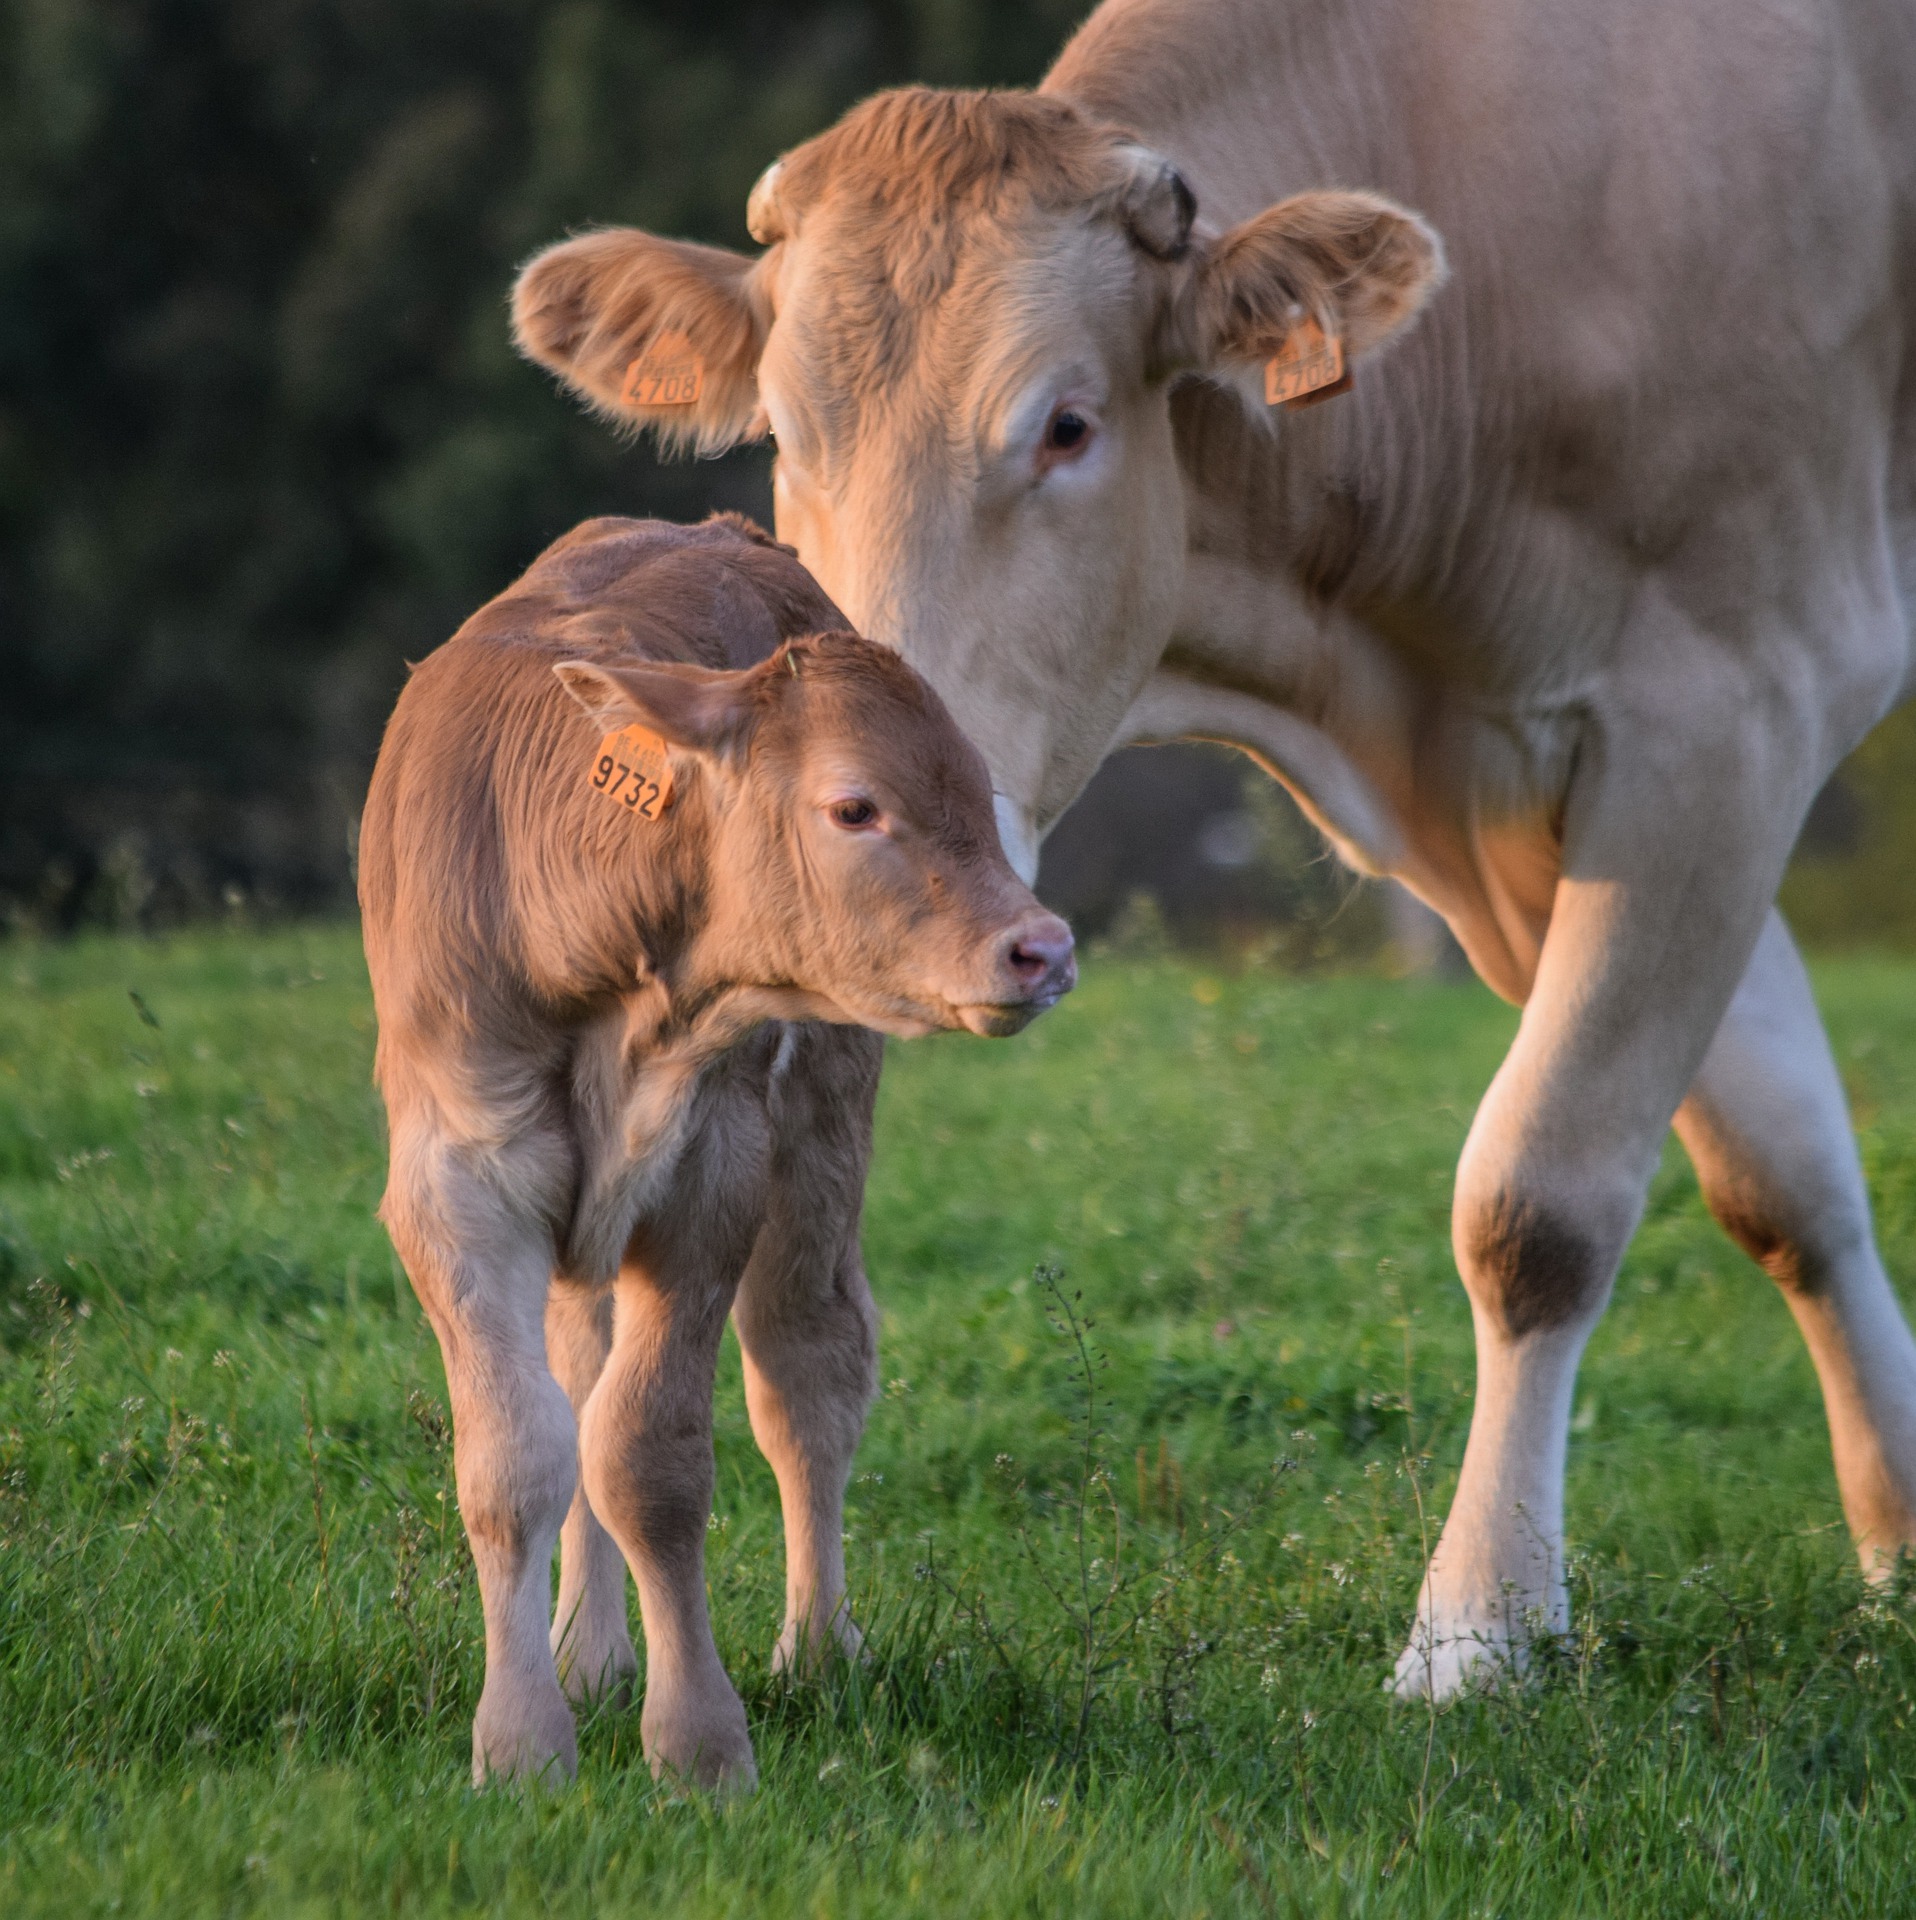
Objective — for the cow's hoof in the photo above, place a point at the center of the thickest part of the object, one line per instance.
(711, 1751)
(1440, 1666)
(527, 1741)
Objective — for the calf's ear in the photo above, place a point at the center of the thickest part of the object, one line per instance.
(655, 333)
(1355, 263)
(698, 709)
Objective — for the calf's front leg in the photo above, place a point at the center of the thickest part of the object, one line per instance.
(480, 1267)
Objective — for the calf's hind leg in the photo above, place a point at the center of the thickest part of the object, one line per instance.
(590, 1638)
(808, 1329)
(480, 1267)
(646, 1450)
(1768, 1130)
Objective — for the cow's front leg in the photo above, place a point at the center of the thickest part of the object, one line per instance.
(809, 1331)
(646, 1449)
(1768, 1129)
(1669, 863)
(590, 1638)
(480, 1259)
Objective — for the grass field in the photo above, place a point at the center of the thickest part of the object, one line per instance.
(1127, 1656)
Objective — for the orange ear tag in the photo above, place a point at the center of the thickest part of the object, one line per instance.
(668, 374)
(1309, 368)
(633, 769)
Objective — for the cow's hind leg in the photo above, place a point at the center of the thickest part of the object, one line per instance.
(808, 1328)
(1768, 1130)
(590, 1638)
(480, 1259)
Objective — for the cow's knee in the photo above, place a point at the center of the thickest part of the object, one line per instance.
(1536, 1251)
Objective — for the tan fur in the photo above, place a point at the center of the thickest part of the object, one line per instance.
(625, 1093)
(1560, 617)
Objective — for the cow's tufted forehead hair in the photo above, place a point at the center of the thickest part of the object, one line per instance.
(918, 155)
(908, 194)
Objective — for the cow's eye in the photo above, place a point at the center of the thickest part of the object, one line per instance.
(852, 814)
(1067, 432)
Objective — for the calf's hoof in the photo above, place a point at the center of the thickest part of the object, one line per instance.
(525, 1741)
(598, 1672)
(710, 1750)
(807, 1650)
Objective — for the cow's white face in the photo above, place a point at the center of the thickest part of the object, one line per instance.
(1007, 513)
(962, 338)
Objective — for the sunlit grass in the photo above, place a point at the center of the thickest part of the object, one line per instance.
(1128, 1646)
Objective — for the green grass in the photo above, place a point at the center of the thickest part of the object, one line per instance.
(239, 1643)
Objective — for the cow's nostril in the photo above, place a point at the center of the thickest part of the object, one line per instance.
(1027, 962)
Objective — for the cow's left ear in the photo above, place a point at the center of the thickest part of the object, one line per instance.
(700, 710)
(655, 333)
(1355, 264)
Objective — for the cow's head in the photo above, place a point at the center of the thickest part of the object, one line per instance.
(848, 851)
(963, 334)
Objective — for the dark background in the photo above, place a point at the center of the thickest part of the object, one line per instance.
(263, 438)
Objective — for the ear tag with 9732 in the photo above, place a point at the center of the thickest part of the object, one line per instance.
(633, 769)
(1308, 367)
(669, 373)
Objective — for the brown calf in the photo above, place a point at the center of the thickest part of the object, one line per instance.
(638, 867)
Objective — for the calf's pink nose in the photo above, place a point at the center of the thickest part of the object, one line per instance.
(1038, 955)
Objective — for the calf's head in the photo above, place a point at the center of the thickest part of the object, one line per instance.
(847, 854)
(963, 334)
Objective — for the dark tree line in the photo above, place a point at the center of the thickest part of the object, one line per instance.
(262, 435)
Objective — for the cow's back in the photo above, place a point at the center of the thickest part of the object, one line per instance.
(489, 874)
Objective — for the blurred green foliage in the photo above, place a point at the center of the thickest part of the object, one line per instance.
(262, 434)
(1853, 883)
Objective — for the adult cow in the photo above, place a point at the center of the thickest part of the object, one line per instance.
(1561, 617)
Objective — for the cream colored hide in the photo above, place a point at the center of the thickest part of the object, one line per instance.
(1561, 617)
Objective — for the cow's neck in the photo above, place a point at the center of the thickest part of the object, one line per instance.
(1364, 501)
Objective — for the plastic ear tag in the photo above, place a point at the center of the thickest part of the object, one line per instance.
(668, 374)
(1308, 368)
(633, 769)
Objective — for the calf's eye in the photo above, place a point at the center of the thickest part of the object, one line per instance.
(852, 814)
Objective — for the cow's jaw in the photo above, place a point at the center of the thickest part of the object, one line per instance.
(1017, 836)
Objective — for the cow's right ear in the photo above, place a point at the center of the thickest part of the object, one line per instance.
(657, 333)
(699, 710)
